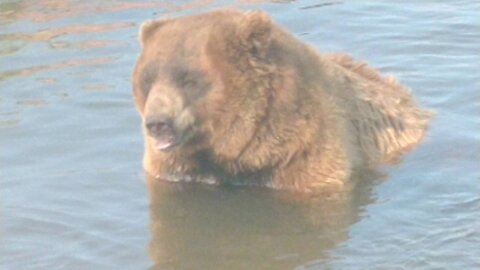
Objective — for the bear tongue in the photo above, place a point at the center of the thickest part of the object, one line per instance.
(163, 143)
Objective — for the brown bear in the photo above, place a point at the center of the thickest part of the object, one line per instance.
(231, 97)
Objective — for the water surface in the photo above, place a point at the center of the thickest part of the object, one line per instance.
(73, 195)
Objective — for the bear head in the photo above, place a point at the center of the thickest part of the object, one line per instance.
(194, 81)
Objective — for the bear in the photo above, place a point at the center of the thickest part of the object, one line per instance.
(231, 97)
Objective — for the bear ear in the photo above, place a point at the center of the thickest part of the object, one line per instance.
(147, 29)
(256, 31)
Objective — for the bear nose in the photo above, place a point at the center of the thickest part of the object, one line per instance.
(159, 126)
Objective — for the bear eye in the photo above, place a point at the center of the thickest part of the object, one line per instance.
(190, 82)
(187, 83)
(185, 78)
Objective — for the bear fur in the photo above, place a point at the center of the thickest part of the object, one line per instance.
(231, 97)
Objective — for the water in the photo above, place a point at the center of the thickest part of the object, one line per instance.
(73, 195)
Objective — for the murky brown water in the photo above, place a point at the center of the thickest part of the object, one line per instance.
(72, 192)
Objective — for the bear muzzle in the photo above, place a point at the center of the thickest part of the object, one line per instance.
(166, 132)
(162, 131)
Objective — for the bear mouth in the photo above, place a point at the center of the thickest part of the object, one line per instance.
(169, 139)
(166, 143)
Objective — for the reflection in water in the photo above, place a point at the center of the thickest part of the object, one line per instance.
(32, 102)
(8, 11)
(13, 42)
(42, 11)
(49, 34)
(206, 227)
(66, 64)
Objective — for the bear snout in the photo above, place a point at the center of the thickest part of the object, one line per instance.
(162, 132)
(159, 126)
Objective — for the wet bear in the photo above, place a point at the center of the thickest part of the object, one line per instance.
(231, 97)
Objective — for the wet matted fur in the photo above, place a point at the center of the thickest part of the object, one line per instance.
(240, 100)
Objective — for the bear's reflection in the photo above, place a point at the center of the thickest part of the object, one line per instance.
(204, 227)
